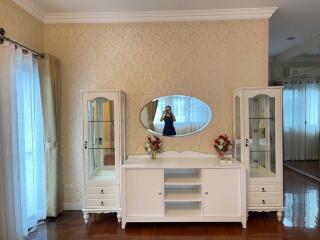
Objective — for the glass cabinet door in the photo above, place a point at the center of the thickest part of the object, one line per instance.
(237, 126)
(101, 139)
(260, 138)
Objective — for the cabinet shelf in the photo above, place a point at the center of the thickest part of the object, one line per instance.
(182, 177)
(182, 181)
(261, 118)
(260, 150)
(103, 175)
(183, 212)
(107, 121)
(189, 193)
(183, 197)
(260, 171)
(256, 147)
(101, 148)
(189, 209)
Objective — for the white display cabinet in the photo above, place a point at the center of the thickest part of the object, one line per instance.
(103, 150)
(257, 121)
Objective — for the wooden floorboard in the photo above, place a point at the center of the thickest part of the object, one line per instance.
(300, 221)
(308, 167)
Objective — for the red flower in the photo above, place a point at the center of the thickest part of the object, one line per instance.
(222, 148)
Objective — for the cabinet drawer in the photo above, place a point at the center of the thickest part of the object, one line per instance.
(103, 190)
(264, 188)
(264, 201)
(102, 203)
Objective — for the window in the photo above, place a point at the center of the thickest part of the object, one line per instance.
(31, 141)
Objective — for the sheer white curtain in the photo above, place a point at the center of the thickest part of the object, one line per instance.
(191, 114)
(312, 120)
(301, 123)
(22, 141)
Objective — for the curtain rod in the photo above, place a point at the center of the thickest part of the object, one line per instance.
(4, 38)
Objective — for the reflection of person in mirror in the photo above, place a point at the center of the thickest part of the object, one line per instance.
(168, 118)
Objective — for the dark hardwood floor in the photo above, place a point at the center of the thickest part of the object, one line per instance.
(311, 167)
(300, 221)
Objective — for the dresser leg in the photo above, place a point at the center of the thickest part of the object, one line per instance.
(123, 224)
(119, 217)
(244, 224)
(86, 217)
(279, 215)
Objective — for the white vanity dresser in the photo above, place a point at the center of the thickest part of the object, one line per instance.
(183, 187)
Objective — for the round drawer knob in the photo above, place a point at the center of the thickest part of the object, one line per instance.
(263, 202)
(263, 190)
(102, 203)
(102, 192)
(206, 193)
(159, 193)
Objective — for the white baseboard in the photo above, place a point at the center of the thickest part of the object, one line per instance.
(72, 206)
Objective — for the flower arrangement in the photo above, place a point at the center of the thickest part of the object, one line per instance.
(153, 145)
(222, 144)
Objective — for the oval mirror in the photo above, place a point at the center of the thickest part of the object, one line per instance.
(175, 115)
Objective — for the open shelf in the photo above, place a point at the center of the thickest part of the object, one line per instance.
(182, 177)
(182, 193)
(182, 181)
(190, 209)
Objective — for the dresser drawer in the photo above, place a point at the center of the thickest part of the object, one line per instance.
(264, 188)
(103, 203)
(103, 190)
(264, 201)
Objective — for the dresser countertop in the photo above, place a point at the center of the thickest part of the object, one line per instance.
(179, 162)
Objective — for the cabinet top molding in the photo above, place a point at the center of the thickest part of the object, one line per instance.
(179, 162)
(174, 154)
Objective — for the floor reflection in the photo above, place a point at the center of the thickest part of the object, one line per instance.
(301, 202)
(310, 167)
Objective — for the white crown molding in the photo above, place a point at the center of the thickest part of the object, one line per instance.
(160, 16)
(32, 8)
(144, 16)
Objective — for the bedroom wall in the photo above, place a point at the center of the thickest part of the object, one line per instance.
(22, 27)
(203, 59)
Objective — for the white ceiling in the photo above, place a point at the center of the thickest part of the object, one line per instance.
(145, 5)
(299, 18)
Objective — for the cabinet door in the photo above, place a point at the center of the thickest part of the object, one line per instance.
(263, 133)
(144, 192)
(101, 137)
(221, 192)
(238, 126)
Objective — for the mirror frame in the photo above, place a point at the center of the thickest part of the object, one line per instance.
(184, 135)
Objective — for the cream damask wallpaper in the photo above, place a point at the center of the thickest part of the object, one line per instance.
(202, 59)
(20, 25)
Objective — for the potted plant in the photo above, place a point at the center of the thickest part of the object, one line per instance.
(153, 145)
(222, 144)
